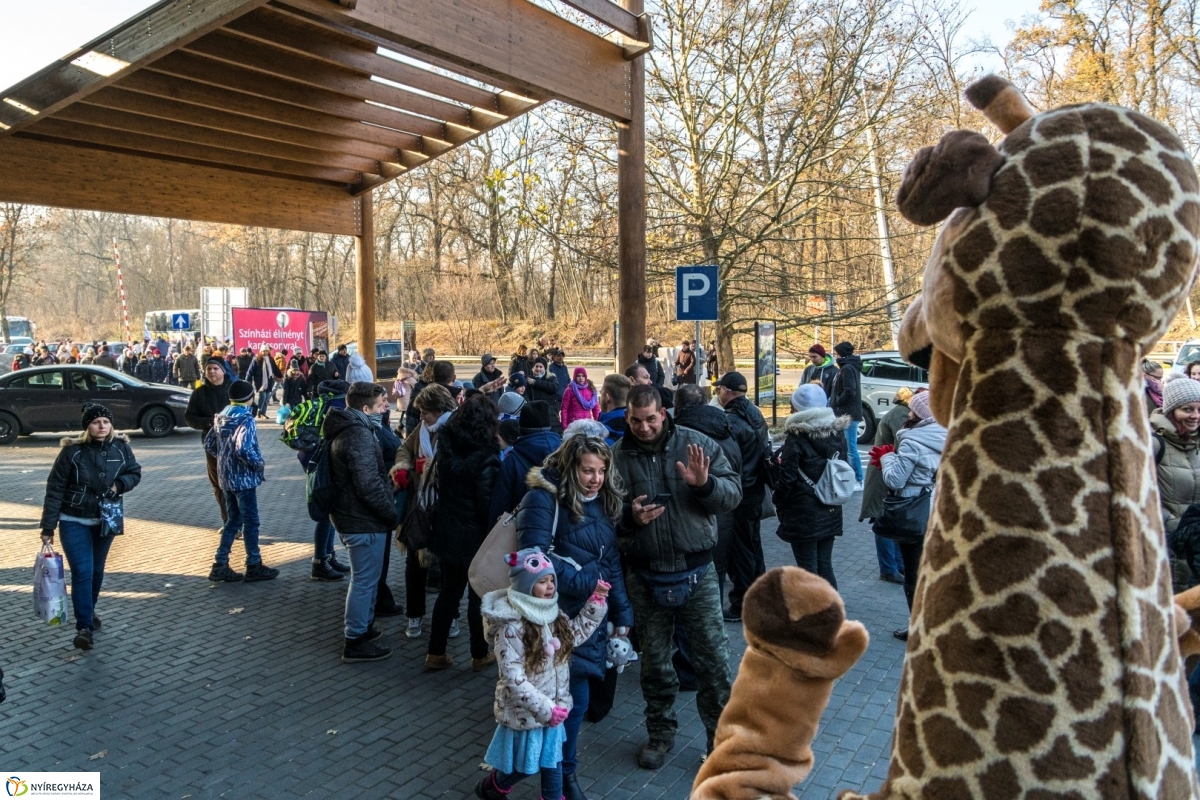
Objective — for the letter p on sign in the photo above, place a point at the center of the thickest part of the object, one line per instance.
(696, 292)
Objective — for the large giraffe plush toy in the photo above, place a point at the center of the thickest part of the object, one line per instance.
(1042, 656)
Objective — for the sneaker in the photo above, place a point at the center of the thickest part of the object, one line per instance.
(372, 633)
(260, 572)
(654, 754)
(438, 662)
(480, 664)
(901, 634)
(858, 486)
(224, 572)
(322, 571)
(83, 639)
(454, 631)
(360, 649)
(413, 630)
(892, 578)
(339, 566)
(95, 622)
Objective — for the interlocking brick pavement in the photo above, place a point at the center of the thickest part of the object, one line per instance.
(186, 699)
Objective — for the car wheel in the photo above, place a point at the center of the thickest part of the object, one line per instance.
(9, 428)
(157, 422)
(866, 427)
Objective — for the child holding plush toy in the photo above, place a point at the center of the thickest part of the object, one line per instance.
(532, 640)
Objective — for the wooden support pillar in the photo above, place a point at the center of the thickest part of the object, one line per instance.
(364, 281)
(631, 212)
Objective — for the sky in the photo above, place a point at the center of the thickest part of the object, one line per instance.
(32, 35)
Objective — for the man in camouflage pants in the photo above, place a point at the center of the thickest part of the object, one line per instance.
(667, 549)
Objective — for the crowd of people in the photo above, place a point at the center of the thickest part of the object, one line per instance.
(637, 512)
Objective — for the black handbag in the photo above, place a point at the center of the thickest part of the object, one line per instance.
(417, 531)
(904, 518)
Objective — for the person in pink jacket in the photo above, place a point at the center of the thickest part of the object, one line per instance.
(580, 400)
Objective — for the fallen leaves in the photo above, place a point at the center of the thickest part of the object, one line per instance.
(237, 610)
(331, 731)
(99, 755)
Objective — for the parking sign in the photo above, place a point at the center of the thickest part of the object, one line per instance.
(696, 293)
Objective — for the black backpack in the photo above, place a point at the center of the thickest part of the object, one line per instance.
(318, 483)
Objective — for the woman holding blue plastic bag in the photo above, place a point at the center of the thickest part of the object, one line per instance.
(83, 500)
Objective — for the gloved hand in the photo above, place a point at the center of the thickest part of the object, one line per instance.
(557, 716)
(420, 466)
(401, 477)
(877, 453)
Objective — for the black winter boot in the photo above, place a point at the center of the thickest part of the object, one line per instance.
(486, 788)
(571, 790)
(323, 571)
(360, 649)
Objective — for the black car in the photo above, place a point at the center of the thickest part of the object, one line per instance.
(389, 357)
(52, 399)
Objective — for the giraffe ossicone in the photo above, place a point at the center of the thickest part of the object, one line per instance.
(1043, 658)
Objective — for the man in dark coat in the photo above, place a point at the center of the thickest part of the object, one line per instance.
(749, 430)
(364, 514)
(341, 362)
(653, 366)
(105, 359)
(319, 372)
(846, 399)
(203, 405)
(536, 441)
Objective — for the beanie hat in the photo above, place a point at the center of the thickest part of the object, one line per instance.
(809, 395)
(517, 380)
(843, 349)
(1179, 390)
(220, 362)
(240, 392)
(586, 427)
(818, 349)
(919, 404)
(510, 431)
(487, 358)
(93, 411)
(535, 416)
(527, 567)
(510, 403)
(579, 371)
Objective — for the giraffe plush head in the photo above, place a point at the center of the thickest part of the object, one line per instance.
(1084, 218)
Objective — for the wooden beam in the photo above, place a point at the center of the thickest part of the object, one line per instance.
(152, 146)
(364, 281)
(513, 41)
(248, 81)
(159, 108)
(134, 43)
(202, 95)
(74, 177)
(631, 214)
(608, 13)
(118, 120)
(240, 51)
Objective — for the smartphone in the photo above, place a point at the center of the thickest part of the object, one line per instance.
(659, 500)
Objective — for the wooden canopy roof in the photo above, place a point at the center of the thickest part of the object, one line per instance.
(281, 113)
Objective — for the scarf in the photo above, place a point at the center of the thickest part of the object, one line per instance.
(588, 405)
(538, 610)
(428, 448)
(1154, 390)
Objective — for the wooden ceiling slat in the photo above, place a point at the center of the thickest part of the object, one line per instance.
(113, 97)
(137, 42)
(202, 95)
(608, 13)
(142, 144)
(241, 79)
(316, 41)
(118, 120)
(521, 44)
(281, 63)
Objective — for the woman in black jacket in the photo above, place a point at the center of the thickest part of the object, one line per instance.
(96, 465)
(814, 436)
(542, 385)
(465, 469)
(203, 405)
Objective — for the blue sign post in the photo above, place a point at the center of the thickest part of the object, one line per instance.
(181, 321)
(696, 293)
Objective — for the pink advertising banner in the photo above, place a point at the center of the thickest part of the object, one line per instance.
(280, 327)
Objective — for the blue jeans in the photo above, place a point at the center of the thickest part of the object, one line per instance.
(887, 552)
(365, 551)
(580, 696)
(852, 450)
(241, 508)
(552, 781)
(263, 398)
(86, 551)
(322, 541)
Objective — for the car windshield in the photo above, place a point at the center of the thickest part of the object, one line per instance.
(1188, 353)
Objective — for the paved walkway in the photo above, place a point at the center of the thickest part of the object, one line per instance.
(197, 690)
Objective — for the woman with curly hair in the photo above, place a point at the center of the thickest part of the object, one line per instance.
(578, 480)
(464, 471)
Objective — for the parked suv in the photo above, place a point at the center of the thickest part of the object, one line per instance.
(389, 355)
(884, 372)
(1189, 351)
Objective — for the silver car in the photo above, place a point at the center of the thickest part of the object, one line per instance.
(884, 372)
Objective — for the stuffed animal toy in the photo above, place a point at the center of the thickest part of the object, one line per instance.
(620, 654)
(1042, 655)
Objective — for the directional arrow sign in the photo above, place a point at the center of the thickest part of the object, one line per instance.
(181, 321)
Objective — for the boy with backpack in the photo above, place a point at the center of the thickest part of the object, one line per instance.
(233, 442)
(302, 433)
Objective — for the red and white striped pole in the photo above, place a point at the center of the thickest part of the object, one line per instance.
(121, 291)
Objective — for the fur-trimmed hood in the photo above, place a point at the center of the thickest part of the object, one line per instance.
(67, 441)
(815, 422)
(537, 479)
(496, 609)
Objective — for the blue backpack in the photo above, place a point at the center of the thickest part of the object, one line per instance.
(318, 483)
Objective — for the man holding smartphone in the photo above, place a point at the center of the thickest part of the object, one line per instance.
(676, 480)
